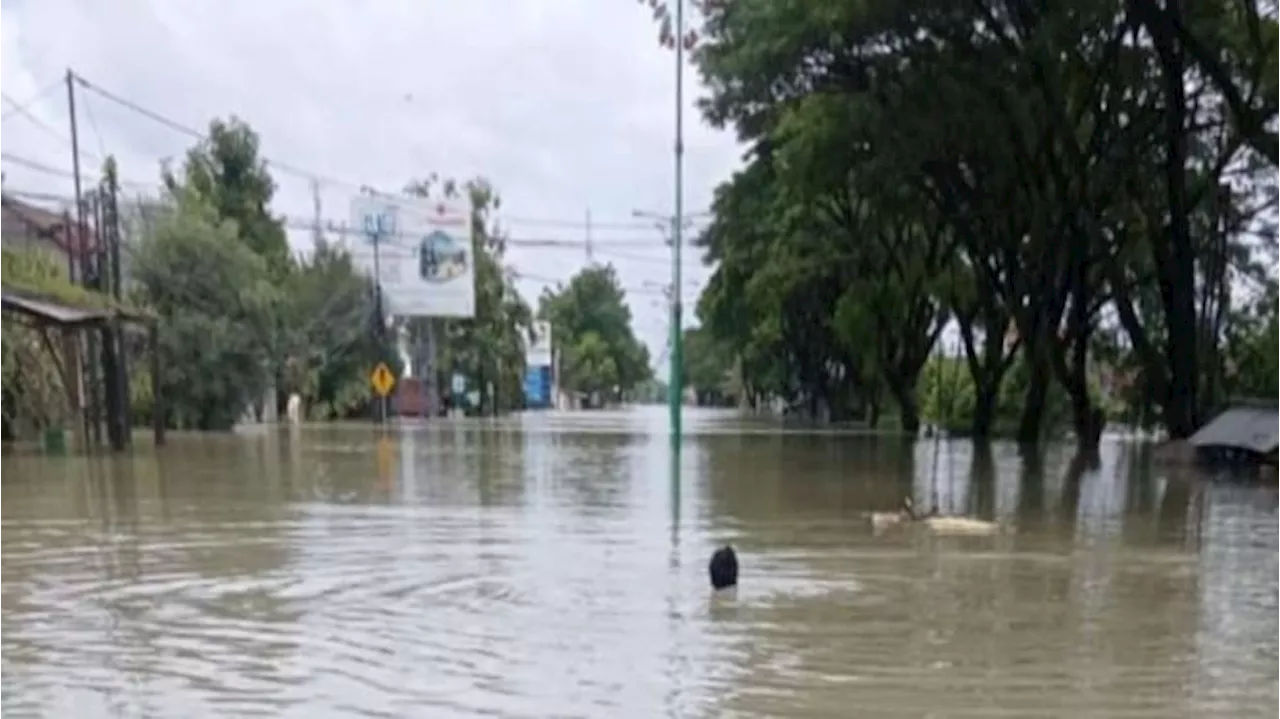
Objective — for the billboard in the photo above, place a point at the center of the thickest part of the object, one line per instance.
(537, 387)
(537, 351)
(420, 252)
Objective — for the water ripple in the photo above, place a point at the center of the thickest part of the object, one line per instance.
(527, 581)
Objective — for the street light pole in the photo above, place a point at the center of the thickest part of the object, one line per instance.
(676, 387)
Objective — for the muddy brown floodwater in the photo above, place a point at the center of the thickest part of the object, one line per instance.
(555, 565)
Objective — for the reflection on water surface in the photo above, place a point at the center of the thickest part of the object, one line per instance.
(555, 565)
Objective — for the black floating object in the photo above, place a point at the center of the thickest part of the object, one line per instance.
(724, 568)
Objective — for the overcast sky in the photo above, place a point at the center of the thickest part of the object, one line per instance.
(566, 105)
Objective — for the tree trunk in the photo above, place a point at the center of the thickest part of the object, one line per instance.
(986, 396)
(1088, 422)
(1031, 425)
(908, 410)
(1178, 281)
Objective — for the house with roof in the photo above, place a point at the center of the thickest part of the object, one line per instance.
(27, 226)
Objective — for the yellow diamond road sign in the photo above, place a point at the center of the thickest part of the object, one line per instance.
(382, 379)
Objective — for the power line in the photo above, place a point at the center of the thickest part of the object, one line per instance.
(566, 223)
(553, 281)
(44, 126)
(59, 172)
(404, 239)
(196, 134)
(93, 124)
(397, 239)
(22, 107)
(33, 165)
(312, 175)
(310, 225)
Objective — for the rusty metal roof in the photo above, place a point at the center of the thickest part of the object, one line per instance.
(53, 312)
(1253, 427)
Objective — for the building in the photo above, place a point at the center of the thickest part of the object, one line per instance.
(26, 226)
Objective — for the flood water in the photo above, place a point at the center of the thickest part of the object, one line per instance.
(555, 565)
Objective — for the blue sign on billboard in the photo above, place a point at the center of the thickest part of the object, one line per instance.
(537, 387)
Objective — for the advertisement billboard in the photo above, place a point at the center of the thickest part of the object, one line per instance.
(419, 251)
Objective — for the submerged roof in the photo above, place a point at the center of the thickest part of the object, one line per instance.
(1252, 426)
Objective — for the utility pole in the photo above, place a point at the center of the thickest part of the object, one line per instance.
(317, 219)
(76, 241)
(675, 225)
(675, 397)
(590, 254)
(124, 428)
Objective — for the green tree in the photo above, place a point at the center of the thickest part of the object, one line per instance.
(587, 313)
(329, 344)
(216, 304)
(708, 366)
(589, 365)
(227, 172)
(34, 391)
(994, 163)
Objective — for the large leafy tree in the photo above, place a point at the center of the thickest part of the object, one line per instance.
(328, 340)
(591, 324)
(708, 366)
(1070, 173)
(216, 304)
(227, 172)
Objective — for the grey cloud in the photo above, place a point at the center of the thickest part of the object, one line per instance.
(563, 105)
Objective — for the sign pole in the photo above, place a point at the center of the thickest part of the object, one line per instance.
(383, 380)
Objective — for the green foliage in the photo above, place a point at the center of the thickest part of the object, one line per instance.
(591, 324)
(34, 393)
(589, 365)
(228, 174)
(1250, 355)
(237, 313)
(708, 366)
(217, 307)
(948, 399)
(327, 333)
(1086, 173)
(40, 273)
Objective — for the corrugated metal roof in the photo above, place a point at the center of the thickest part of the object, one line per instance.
(52, 311)
(1253, 428)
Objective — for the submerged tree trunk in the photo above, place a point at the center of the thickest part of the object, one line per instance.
(1031, 426)
(986, 396)
(904, 393)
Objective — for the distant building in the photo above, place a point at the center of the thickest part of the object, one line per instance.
(26, 226)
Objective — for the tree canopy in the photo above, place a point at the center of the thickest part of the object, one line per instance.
(239, 312)
(1076, 189)
(591, 327)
